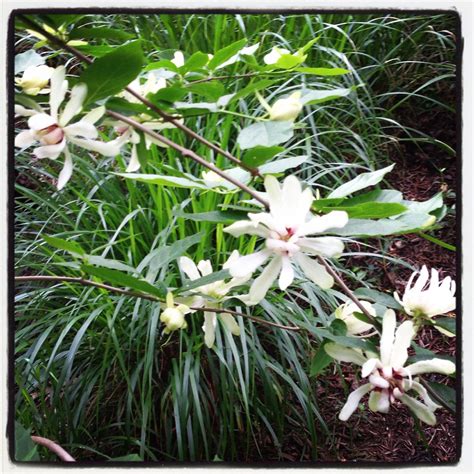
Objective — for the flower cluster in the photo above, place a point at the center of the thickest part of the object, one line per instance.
(287, 229)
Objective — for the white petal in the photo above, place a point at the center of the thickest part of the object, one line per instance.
(230, 324)
(209, 328)
(81, 129)
(189, 268)
(104, 148)
(134, 164)
(318, 224)
(25, 139)
(24, 112)
(328, 246)
(344, 354)
(262, 284)
(423, 412)
(287, 274)
(40, 121)
(94, 115)
(417, 387)
(403, 338)
(205, 267)
(314, 271)
(379, 401)
(248, 263)
(388, 333)
(74, 105)
(66, 172)
(50, 151)
(353, 401)
(439, 366)
(422, 279)
(369, 366)
(378, 381)
(246, 227)
(58, 90)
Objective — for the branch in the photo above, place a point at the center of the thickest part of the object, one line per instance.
(436, 396)
(187, 153)
(161, 113)
(60, 452)
(85, 282)
(348, 292)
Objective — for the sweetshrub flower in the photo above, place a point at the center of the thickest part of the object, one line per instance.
(287, 228)
(355, 326)
(173, 316)
(216, 292)
(35, 79)
(54, 132)
(389, 379)
(286, 109)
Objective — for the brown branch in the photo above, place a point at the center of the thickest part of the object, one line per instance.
(151, 105)
(187, 153)
(348, 292)
(85, 282)
(60, 452)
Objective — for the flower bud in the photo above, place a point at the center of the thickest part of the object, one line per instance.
(274, 55)
(354, 325)
(34, 79)
(173, 318)
(286, 109)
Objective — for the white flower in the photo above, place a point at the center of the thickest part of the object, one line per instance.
(151, 85)
(247, 51)
(173, 316)
(286, 229)
(53, 131)
(178, 59)
(389, 380)
(286, 109)
(274, 55)
(428, 297)
(216, 291)
(354, 325)
(35, 79)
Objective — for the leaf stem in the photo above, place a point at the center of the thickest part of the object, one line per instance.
(85, 282)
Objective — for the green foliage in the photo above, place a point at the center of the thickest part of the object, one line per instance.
(265, 134)
(112, 72)
(25, 449)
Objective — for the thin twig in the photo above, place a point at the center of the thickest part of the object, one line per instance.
(60, 452)
(347, 291)
(151, 105)
(187, 153)
(85, 282)
(436, 396)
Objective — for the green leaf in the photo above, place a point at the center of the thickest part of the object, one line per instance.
(445, 393)
(174, 181)
(209, 90)
(127, 458)
(369, 210)
(377, 297)
(319, 361)
(111, 73)
(259, 155)
(268, 133)
(279, 166)
(376, 195)
(221, 217)
(124, 280)
(362, 181)
(222, 55)
(123, 106)
(168, 94)
(404, 224)
(195, 62)
(323, 71)
(98, 51)
(27, 59)
(100, 32)
(107, 263)
(362, 317)
(425, 354)
(320, 204)
(162, 64)
(253, 87)
(288, 61)
(310, 97)
(67, 245)
(338, 327)
(449, 324)
(206, 280)
(425, 206)
(25, 449)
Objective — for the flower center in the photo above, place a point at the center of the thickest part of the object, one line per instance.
(51, 135)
